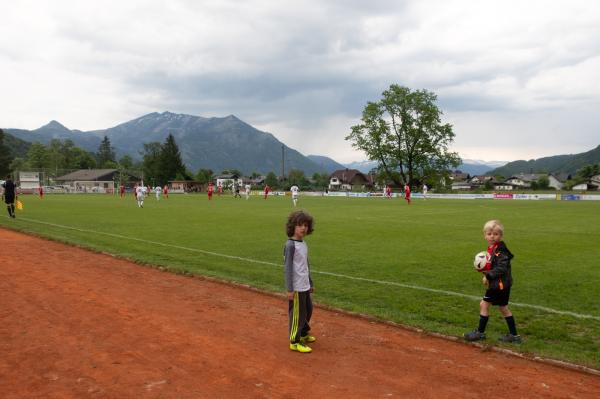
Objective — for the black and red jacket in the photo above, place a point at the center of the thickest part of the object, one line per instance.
(500, 276)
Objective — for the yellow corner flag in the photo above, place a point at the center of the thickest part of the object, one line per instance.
(19, 205)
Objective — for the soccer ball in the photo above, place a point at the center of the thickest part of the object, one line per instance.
(481, 259)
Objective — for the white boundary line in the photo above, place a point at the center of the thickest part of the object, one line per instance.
(368, 280)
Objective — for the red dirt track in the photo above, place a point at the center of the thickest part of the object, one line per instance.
(76, 324)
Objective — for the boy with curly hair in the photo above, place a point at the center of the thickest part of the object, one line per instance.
(298, 282)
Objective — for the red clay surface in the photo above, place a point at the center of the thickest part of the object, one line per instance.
(76, 324)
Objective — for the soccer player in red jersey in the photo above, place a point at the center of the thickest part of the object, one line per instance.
(407, 193)
(210, 190)
(267, 189)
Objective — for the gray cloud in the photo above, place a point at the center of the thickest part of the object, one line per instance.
(304, 71)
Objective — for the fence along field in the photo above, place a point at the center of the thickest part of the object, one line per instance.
(408, 264)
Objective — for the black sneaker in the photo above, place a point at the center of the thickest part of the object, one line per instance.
(510, 339)
(474, 335)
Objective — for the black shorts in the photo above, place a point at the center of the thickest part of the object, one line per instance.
(9, 199)
(497, 297)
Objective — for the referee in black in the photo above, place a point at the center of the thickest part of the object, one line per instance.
(9, 196)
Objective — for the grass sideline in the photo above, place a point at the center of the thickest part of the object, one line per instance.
(407, 264)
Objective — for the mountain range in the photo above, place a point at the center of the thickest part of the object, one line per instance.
(209, 143)
(568, 164)
(470, 166)
(476, 167)
(230, 143)
(326, 163)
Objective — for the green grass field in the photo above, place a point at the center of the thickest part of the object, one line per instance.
(408, 264)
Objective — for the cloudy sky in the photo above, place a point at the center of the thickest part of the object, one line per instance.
(516, 79)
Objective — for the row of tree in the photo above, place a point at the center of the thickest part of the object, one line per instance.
(161, 163)
(55, 157)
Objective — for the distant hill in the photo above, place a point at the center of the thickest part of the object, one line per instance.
(55, 130)
(363, 166)
(18, 148)
(210, 143)
(472, 167)
(326, 163)
(476, 167)
(556, 164)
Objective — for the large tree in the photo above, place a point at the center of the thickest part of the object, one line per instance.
(126, 162)
(81, 159)
(17, 164)
(296, 177)
(404, 133)
(271, 180)
(321, 180)
(151, 161)
(106, 153)
(171, 164)
(74, 157)
(6, 157)
(58, 155)
(204, 176)
(37, 156)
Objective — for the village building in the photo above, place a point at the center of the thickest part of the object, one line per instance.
(557, 180)
(94, 180)
(458, 176)
(350, 180)
(523, 180)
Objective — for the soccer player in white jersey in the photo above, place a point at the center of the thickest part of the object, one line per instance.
(247, 187)
(140, 193)
(157, 191)
(295, 192)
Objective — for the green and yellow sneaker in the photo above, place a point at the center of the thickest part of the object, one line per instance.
(299, 347)
(307, 339)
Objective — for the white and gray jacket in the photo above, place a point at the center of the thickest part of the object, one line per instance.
(296, 266)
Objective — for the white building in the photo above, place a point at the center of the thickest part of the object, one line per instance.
(556, 181)
(523, 180)
(29, 181)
